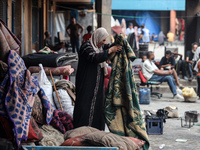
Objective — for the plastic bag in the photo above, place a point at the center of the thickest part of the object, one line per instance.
(65, 101)
(189, 92)
(45, 84)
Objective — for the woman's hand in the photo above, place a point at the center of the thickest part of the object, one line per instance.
(115, 49)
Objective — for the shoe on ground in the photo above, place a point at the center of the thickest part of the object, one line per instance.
(190, 79)
(179, 91)
(185, 78)
(178, 96)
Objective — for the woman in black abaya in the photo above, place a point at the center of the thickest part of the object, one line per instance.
(90, 93)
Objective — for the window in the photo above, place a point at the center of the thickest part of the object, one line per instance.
(34, 21)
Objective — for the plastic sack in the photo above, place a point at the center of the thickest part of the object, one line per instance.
(189, 92)
(45, 84)
(65, 101)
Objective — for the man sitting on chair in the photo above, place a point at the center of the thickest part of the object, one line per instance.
(152, 73)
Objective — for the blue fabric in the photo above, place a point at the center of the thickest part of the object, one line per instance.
(150, 19)
(190, 70)
(165, 78)
(17, 94)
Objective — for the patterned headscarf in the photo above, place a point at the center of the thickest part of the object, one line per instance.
(98, 36)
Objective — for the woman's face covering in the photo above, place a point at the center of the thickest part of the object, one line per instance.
(101, 43)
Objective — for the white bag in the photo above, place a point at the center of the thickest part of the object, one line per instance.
(45, 84)
(65, 101)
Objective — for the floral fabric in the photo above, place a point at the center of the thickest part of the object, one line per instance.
(122, 109)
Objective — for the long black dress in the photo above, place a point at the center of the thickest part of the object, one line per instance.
(90, 94)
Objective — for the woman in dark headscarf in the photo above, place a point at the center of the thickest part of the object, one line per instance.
(90, 93)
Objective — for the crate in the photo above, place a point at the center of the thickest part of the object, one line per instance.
(67, 148)
(154, 126)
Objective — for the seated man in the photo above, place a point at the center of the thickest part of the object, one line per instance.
(144, 58)
(180, 65)
(190, 60)
(152, 73)
(168, 63)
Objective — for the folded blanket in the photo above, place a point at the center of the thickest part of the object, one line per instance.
(56, 71)
(51, 136)
(62, 121)
(49, 60)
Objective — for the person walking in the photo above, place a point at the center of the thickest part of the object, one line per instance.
(74, 33)
(90, 93)
(88, 35)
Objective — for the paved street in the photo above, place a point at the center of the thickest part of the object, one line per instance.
(172, 127)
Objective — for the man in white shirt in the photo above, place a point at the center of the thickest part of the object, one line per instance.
(130, 29)
(152, 73)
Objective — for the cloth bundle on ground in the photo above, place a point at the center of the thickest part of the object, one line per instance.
(49, 60)
(79, 131)
(56, 71)
(37, 111)
(173, 111)
(34, 134)
(17, 94)
(122, 110)
(68, 86)
(51, 136)
(88, 136)
(62, 121)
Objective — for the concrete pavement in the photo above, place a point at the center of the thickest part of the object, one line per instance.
(172, 128)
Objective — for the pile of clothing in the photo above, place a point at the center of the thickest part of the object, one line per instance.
(26, 113)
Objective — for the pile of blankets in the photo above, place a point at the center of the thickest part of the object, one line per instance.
(20, 98)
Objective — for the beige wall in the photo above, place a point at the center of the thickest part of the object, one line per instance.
(9, 14)
(27, 26)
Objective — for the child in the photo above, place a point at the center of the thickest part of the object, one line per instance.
(88, 35)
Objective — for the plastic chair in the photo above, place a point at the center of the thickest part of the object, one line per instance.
(149, 83)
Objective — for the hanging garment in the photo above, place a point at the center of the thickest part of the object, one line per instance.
(132, 41)
(122, 109)
(17, 95)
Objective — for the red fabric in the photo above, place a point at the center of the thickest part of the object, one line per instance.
(36, 129)
(106, 79)
(87, 37)
(62, 121)
(142, 78)
(75, 141)
(140, 143)
(7, 126)
(31, 133)
(117, 29)
(66, 78)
